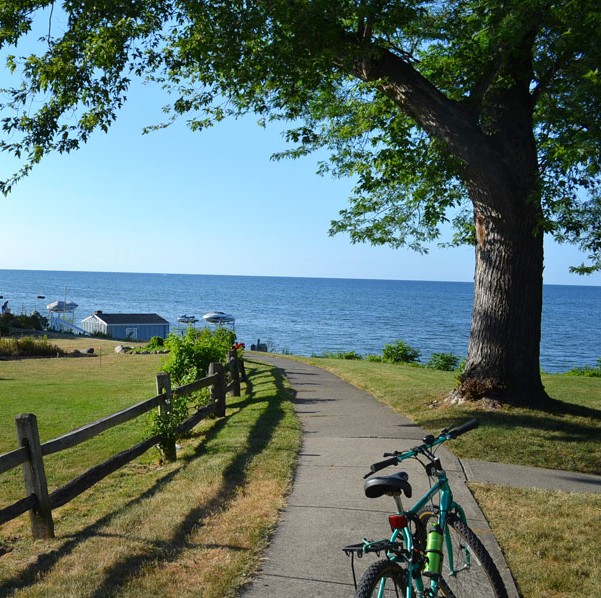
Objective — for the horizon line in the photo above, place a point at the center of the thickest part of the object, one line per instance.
(272, 276)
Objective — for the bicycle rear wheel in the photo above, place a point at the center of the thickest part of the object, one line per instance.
(386, 579)
(469, 571)
(382, 579)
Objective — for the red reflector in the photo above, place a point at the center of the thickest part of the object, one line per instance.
(397, 521)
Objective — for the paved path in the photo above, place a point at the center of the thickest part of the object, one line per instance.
(344, 430)
(519, 476)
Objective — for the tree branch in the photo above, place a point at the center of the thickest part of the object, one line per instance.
(442, 118)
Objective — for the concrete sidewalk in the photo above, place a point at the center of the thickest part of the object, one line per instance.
(519, 476)
(344, 431)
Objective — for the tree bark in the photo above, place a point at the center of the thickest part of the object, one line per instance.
(504, 345)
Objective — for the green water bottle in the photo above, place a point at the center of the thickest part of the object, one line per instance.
(434, 552)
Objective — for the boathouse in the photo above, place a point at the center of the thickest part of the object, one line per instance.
(133, 327)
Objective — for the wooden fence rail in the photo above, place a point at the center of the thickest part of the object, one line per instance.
(40, 503)
(13, 458)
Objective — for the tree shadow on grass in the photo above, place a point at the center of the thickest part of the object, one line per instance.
(167, 550)
(559, 408)
(556, 427)
(234, 477)
(44, 563)
(574, 431)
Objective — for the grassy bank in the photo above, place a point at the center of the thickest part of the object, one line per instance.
(195, 527)
(568, 439)
(549, 538)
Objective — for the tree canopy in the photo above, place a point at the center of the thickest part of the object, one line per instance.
(485, 113)
(325, 66)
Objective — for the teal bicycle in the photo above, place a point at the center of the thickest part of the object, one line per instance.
(432, 551)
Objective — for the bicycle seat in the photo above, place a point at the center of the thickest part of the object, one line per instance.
(388, 484)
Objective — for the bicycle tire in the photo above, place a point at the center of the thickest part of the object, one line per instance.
(475, 575)
(369, 584)
(382, 571)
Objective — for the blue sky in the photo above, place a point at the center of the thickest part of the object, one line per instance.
(203, 203)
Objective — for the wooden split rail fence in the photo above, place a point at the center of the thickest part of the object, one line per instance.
(31, 452)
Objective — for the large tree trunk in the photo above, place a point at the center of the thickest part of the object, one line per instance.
(504, 345)
(491, 135)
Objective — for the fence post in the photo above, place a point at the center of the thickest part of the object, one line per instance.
(218, 388)
(242, 369)
(168, 443)
(34, 476)
(233, 364)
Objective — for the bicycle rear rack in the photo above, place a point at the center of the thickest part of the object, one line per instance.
(379, 546)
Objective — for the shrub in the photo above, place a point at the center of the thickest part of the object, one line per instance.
(33, 322)
(189, 359)
(400, 352)
(156, 343)
(191, 354)
(587, 370)
(351, 355)
(447, 362)
(165, 424)
(28, 347)
(374, 358)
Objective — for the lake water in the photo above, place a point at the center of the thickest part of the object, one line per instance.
(312, 316)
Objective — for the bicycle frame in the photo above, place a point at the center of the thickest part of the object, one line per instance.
(400, 548)
(446, 505)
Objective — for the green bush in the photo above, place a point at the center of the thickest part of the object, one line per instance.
(189, 359)
(374, 358)
(156, 343)
(587, 370)
(447, 362)
(165, 424)
(351, 355)
(191, 354)
(28, 347)
(400, 352)
(33, 322)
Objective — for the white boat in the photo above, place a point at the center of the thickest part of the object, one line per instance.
(218, 317)
(61, 306)
(187, 319)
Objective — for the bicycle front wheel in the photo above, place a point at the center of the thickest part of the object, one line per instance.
(382, 579)
(468, 569)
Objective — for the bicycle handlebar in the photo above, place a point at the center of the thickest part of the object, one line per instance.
(423, 449)
(463, 428)
(382, 464)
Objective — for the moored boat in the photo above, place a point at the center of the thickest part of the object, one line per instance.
(184, 319)
(219, 318)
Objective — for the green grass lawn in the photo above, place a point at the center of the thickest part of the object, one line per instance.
(567, 439)
(148, 529)
(66, 393)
